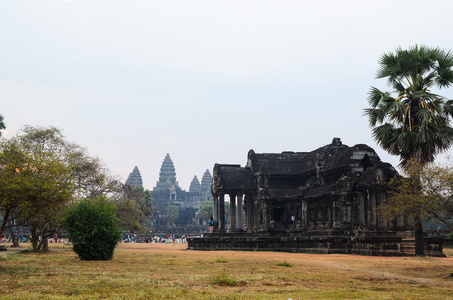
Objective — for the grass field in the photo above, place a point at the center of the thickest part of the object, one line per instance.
(164, 271)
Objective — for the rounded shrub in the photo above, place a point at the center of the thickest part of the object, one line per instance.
(93, 228)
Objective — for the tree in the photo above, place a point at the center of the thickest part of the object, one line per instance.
(437, 186)
(415, 123)
(206, 210)
(426, 191)
(130, 215)
(30, 183)
(93, 228)
(172, 213)
(41, 173)
(134, 208)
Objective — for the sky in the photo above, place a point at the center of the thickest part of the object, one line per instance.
(204, 81)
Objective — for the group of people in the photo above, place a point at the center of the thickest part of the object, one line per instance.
(154, 239)
(211, 223)
(26, 239)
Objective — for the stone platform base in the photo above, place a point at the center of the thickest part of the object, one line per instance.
(385, 244)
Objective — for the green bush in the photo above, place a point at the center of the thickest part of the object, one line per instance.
(93, 229)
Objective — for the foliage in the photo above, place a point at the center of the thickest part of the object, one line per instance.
(130, 215)
(413, 124)
(222, 279)
(450, 236)
(426, 191)
(437, 185)
(93, 228)
(221, 260)
(134, 209)
(284, 264)
(33, 185)
(172, 213)
(206, 209)
(2, 124)
(51, 172)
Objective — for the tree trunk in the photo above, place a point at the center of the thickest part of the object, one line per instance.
(13, 235)
(4, 222)
(34, 238)
(419, 241)
(45, 243)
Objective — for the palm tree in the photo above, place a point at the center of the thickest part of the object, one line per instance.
(412, 121)
(2, 124)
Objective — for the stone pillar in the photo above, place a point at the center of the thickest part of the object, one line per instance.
(304, 215)
(239, 214)
(373, 210)
(232, 212)
(216, 212)
(222, 213)
(362, 211)
(250, 213)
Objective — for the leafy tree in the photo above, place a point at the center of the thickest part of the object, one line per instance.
(2, 124)
(426, 191)
(172, 213)
(41, 173)
(130, 215)
(134, 208)
(206, 210)
(93, 228)
(31, 183)
(413, 122)
(437, 186)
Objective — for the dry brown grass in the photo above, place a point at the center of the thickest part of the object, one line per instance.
(162, 271)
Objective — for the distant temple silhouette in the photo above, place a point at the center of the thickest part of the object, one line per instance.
(167, 192)
(135, 178)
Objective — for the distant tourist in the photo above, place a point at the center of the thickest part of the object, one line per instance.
(211, 225)
(271, 227)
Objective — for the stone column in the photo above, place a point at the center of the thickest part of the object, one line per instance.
(362, 211)
(250, 212)
(373, 210)
(232, 212)
(216, 212)
(222, 213)
(239, 217)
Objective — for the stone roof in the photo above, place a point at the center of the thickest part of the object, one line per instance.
(233, 178)
(334, 168)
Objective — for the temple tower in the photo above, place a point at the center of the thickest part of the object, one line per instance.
(135, 178)
(167, 174)
(195, 186)
(206, 183)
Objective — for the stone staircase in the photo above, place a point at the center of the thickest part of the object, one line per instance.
(408, 246)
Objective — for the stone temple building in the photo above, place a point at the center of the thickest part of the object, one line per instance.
(135, 178)
(323, 201)
(168, 192)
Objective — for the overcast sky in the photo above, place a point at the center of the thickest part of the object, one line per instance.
(204, 81)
